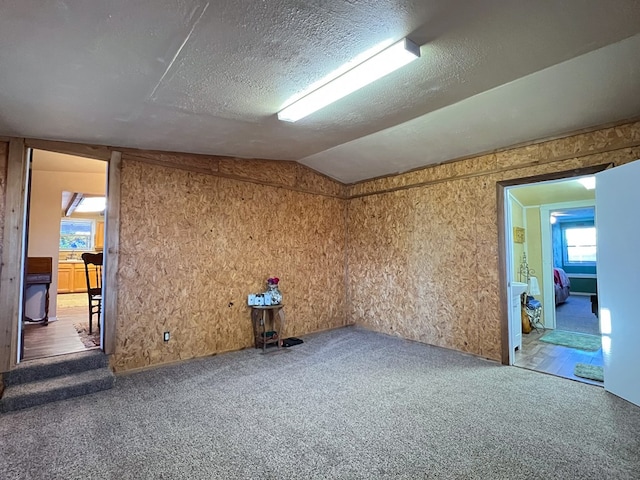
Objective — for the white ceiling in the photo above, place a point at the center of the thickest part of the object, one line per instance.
(60, 162)
(559, 191)
(209, 77)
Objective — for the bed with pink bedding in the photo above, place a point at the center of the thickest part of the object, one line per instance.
(561, 284)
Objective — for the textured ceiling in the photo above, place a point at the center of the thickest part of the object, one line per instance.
(209, 77)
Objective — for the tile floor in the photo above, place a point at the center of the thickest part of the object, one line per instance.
(556, 359)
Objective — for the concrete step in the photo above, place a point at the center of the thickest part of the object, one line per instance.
(30, 394)
(50, 367)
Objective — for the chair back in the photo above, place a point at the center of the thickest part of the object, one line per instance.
(93, 275)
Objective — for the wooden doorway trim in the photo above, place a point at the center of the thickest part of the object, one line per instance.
(14, 214)
(111, 251)
(12, 246)
(502, 248)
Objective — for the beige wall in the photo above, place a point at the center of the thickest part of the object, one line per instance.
(423, 246)
(517, 220)
(534, 248)
(44, 223)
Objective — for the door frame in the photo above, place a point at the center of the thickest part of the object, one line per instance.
(503, 238)
(549, 307)
(11, 274)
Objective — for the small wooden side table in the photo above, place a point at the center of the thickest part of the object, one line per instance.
(271, 316)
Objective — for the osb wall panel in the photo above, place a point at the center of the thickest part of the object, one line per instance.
(282, 173)
(287, 174)
(423, 261)
(199, 163)
(312, 181)
(576, 146)
(192, 246)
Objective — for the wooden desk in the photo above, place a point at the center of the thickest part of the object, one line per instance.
(263, 316)
(38, 271)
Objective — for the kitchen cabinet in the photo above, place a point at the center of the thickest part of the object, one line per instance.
(65, 277)
(72, 277)
(99, 240)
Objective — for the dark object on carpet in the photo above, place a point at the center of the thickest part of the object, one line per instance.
(291, 341)
(592, 372)
(581, 341)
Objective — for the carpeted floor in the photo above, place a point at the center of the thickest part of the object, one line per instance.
(345, 404)
(575, 315)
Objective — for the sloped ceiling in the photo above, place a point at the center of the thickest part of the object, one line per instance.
(209, 77)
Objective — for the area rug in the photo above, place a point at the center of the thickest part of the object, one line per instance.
(592, 372)
(581, 341)
(89, 340)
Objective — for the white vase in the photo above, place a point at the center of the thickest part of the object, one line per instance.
(276, 295)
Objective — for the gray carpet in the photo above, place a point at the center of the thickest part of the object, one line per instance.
(345, 404)
(575, 315)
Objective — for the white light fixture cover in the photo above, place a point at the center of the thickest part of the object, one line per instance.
(92, 204)
(376, 67)
(588, 182)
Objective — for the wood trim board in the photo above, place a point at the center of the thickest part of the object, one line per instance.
(11, 274)
(112, 249)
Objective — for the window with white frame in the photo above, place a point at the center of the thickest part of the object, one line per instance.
(76, 234)
(580, 245)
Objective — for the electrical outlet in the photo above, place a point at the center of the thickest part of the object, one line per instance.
(166, 336)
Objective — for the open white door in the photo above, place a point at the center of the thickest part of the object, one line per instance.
(618, 227)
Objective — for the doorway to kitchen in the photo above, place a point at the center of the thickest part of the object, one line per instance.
(65, 219)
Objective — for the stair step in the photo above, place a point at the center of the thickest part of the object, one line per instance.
(43, 368)
(25, 395)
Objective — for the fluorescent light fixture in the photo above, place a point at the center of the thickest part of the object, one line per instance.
(588, 182)
(388, 60)
(91, 204)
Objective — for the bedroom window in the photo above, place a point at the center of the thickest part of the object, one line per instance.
(580, 245)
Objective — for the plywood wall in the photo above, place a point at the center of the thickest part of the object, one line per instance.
(193, 244)
(286, 174)
(423, 246)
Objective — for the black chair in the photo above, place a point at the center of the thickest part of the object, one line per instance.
(93, 273)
